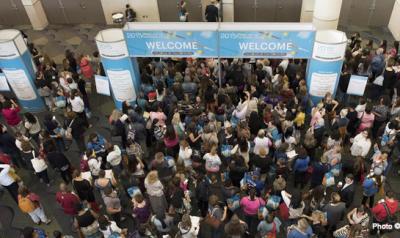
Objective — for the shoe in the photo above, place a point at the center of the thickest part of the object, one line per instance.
(48, 222)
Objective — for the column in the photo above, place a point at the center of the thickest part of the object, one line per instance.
(17, 65)
(325, 66)
(119, 67)
(394, 23)
(36, 14)
(326, 14)
(307, 10)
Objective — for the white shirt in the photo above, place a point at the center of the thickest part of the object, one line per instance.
(77, 104)
(5, 179)
(184, 155)
(94, 165)
(114, 157)
(361, 146)
(33, 128)
(261, 143)
(113, 227)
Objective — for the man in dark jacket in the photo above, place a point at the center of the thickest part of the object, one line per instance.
(347, 190)
(211, 12)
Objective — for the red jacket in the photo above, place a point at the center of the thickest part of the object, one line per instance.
(86, 68)
(379, 211)
(67, 201)
(11, 115)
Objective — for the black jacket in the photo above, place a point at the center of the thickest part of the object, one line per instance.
(347, 194)
(211, 13)
(57, 160)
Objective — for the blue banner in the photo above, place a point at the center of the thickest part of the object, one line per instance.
(122, 79)
(20, 75)
(273, 44)
(199, 44)
(323, 77)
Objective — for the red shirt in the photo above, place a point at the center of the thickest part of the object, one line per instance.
(67, 202)
(11, 116)
(379, 210)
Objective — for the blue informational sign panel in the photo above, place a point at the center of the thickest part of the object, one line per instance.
(196, 44)
(268, 44)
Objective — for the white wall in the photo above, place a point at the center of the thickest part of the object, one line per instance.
(146, 10)
(394, 23)
(307, 10)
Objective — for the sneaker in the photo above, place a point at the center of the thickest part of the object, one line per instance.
(48, 221)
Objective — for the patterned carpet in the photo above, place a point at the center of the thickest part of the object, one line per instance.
(55, 39)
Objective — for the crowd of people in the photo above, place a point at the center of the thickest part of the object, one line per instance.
(253, 157)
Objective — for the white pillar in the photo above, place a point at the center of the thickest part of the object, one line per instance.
(36, 14)
(394, 23)
(228, 11)
(326, 14)
(307, 10)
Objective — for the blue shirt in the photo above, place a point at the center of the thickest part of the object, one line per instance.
(294, 233)
(98, 146)
(301, 164)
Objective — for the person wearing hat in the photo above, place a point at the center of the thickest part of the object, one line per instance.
(152, 104)
(211, 12)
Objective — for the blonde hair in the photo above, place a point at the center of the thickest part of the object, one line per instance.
(261, 133)
(152, 177)
(302, 224)
(176, 118)
(115, 115)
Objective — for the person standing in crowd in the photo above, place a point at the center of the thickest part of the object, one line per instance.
(8, 181)
(77, 127)
(10, 112)
(67, 200)
(211, 12)
(154, 189)
(29, 203)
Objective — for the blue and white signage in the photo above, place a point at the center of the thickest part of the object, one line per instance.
(357, 85)
(199, 44)
(269, 44)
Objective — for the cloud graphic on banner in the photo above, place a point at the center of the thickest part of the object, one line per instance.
(206, 34)
(304, 34)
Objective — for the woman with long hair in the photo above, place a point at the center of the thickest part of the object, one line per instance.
(155, 191)
(33, 126)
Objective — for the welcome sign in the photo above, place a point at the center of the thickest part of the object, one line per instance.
(199, 44)
(266, 44)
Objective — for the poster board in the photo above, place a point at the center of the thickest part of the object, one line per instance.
(102, 85)
(357, 85)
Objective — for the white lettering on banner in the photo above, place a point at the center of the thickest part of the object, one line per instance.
(322, 84)
(329, 52)
(266, 46)
(20, 84)
(160, 45)
(122, 85)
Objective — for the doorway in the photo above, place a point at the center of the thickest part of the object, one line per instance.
(74, 11)
(12, 13)
(267, 10)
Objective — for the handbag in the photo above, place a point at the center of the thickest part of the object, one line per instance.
(39, 165)
(212, 221)
(328, 180)
(272, 234)
(379, 80)
(68, 132)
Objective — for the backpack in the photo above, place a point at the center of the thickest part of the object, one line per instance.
(84, 165)
(130, 135)
(26, 205)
